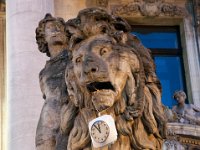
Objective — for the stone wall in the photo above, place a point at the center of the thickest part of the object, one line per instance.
(69, 9)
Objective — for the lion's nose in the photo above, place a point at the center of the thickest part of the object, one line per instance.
(90, 66)
(90, 69)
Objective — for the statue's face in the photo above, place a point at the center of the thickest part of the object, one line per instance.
(54, 33)
(100, 70)
(180, 98)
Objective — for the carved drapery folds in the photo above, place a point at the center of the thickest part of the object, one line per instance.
(149, 8)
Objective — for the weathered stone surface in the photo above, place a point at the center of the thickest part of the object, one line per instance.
(102, 3)
(185, 113)
(149, 8)
(109, 73)
(23, 99)
(2, 71)
(52, 40)
(183, 129)
(182, 136)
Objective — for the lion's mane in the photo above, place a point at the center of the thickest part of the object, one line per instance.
(143, 130)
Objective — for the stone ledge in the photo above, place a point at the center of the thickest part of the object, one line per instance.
(183, 129)
(186, 134)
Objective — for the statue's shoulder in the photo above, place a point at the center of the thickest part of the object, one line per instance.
(190, 106)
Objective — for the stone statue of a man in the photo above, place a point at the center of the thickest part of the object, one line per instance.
(52, 40)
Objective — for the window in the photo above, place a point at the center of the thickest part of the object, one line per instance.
(164, 43)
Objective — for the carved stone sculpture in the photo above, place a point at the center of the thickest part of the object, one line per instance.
(186, 113)
(149, 8)
(99, 83)
(111, 73)
(52, 40)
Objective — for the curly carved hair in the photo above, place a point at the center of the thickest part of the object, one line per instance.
(40, 34)
(179, 93)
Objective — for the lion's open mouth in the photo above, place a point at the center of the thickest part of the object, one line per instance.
(95, 86)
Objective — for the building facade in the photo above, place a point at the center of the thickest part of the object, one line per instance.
(169, 28)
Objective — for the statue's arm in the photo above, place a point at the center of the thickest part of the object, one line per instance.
(174, 108)
(197, 109)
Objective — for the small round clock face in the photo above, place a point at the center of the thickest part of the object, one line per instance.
(100, 131)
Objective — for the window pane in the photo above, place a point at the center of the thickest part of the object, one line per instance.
(153, 37)
(169, 72)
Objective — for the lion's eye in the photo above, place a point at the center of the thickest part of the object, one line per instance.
(78, 59)
(103, 51)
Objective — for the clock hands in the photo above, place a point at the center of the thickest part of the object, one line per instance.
(97, 127)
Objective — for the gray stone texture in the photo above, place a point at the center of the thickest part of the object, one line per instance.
(24, 64)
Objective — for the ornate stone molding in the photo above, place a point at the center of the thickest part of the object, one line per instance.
(173, 145)
(172, 10)
(150, 8)
(182, 135)
(102, 3)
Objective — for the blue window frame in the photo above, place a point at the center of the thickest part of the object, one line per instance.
(164, 43)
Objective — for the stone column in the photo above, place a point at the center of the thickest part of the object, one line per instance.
(24, 62)
(191, 58)
(2, 68)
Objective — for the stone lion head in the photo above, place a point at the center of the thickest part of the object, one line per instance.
(102, 68)
(106, 75)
